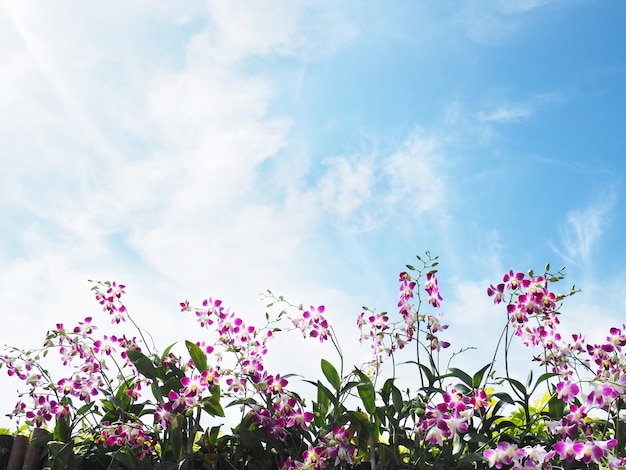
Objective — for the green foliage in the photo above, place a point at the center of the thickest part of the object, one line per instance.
(155, 410)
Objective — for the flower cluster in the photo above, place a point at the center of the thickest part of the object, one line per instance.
(447, 419)
(80, 353)
(233, 334)
(312, 323)
(532, 311)
(386, 336)
(129, 435)
(334, 449)
(528, 457)
(127, 406)
(275, 410)
(108, 294)
(283, 416)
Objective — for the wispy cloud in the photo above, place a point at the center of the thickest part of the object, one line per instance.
(155, 143)
(298, 29)
(494, 22)
(505, 114)
(523, 6)
(506, 111)
(142, 161)
(365, 191)
(583, 229)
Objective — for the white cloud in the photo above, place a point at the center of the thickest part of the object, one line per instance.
(346, 187)
(505, 114)
(416, 173)
(494, 22)
(300, 29)
(523, 6)
(365, 191)
(583, 229)
(155, 156)
(504, 111)
(142, 162)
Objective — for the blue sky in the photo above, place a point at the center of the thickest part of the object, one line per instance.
(219, 149)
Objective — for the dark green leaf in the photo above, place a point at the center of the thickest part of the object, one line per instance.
(542, 378)
(504, 397)
(556, 408)
(458, 373)
(176, 437)
(331, 374)
(477, 437)
(385, 391)
(517, 385)
(142, 363)
(61, 457)
(478, 376)
(212, 406)
(429, 375)
(197, 355)
(322, 389)
(62, 430)
(396, 397)
(127, 460)
(347, 387)
(368, 397)
(85, 408)
(322, 398)
(469, 458)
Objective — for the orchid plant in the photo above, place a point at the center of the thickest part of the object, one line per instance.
(117, 401)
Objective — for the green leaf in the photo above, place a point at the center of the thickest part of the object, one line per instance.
(331, 374)
(143, 364)
(197, 355)
(323, 390)
(62, 430)
(107, 404)
(477, 437)
(43, 440)
(62, 457)
(385, 392)
(251, 439)
(167, 351)
(212, 406)
(214, 434)
(368, 397)
(176, 437)
(556, 408)
(470, 458)
(396, 397)
(322, 398)
(347, 387)
(504, 397)
(542, 378)
(518, 387)
(478, 376)
(85, 408)
(429, 375)
(127, 459)
(505, 423)
(458, 373)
